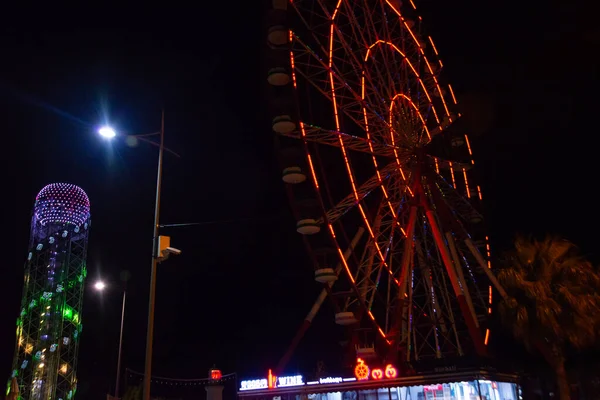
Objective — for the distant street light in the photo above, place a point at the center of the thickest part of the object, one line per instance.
(100, 286)
(107, 132)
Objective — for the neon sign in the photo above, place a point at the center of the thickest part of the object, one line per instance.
(377, 373)
(286, 381)
(253, 384)
(391, 372)
(330, 380)
(272, 382)
(362, 371)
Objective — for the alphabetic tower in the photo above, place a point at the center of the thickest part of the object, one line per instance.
(49, 322)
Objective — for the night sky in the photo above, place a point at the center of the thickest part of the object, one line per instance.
(526, 76)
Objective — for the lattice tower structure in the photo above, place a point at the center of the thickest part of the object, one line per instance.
(49, 323)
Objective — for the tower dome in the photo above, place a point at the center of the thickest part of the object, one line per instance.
(61, 203)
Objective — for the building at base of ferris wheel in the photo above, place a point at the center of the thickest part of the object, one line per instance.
(383, 383)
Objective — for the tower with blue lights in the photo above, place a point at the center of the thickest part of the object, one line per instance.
(49, 321)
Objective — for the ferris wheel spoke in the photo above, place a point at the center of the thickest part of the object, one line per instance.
(362, 191)
(429, 66)
(443, 163)
(327, 137)
(370, 80)
(376, 277)
(317, 72)
(443, 222)
(362, 33)
(456, 203)
(373, 274)
(453, 213)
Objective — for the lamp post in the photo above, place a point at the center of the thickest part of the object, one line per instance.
(109, 133)
(150, 333)
(100, 286)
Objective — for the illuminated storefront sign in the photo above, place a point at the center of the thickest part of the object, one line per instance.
(286, 381)
(330, 380)
(254, 384)
(362, 371)
(272, 382)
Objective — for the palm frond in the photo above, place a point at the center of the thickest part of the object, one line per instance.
(554, 293)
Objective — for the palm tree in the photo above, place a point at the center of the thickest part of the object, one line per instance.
(553, 300)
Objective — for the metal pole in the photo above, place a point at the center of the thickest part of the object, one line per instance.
(150, 333)
(120, 346)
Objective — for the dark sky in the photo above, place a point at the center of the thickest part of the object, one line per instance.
(526, 74)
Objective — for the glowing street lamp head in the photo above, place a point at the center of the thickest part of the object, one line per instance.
(107, 132)
(99, 286)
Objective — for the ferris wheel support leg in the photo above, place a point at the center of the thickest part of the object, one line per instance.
(474, 332)
(486, 269)
(403, 279)
(460, 274)
(316, 306)
(407, 254)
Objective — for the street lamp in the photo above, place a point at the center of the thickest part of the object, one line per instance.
(109, 133)
(100, 286)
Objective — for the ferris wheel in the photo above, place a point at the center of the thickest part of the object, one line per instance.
(380, 178)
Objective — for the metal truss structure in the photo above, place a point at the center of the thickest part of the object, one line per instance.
(49, 324)
(380, 178)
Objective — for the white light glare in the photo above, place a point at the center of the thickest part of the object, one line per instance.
(99, 285)
(107, 132)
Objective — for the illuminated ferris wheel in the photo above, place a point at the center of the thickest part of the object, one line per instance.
(380, 177)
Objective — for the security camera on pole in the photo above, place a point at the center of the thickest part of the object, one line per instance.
(164, 249)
